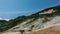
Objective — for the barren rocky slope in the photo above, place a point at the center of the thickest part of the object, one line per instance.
(52, 28)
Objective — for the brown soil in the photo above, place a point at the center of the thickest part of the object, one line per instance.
(50, 30)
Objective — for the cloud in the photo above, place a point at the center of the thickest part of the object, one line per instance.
(4, 19)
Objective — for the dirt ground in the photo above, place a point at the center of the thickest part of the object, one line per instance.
(50, 30)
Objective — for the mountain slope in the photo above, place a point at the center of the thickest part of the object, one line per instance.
(35, 21)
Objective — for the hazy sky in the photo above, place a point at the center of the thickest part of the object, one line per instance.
(13, 8)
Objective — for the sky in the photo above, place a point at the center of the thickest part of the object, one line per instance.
(13, 8)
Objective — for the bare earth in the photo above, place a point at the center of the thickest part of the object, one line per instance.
(50, 30)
